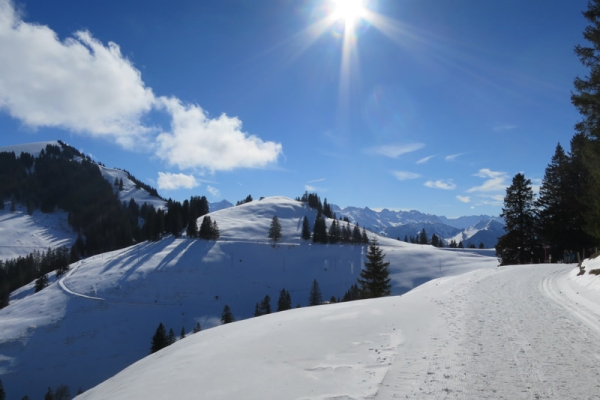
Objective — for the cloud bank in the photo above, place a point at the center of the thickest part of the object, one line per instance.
(89, 88)
(168, 181)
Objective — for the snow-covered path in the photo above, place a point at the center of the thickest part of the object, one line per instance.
(523, 332)
(504, 335)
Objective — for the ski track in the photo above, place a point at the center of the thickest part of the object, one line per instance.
(499, 336)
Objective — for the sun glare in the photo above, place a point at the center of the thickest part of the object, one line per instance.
(347, 10)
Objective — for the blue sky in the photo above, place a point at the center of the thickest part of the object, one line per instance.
(412, 104)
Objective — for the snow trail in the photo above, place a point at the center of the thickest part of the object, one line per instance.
(507, 334)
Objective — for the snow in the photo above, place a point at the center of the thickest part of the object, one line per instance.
(130, 191)
(21, 234)
(99, 318)
(488, 334)
(469, 330)
(32, 148)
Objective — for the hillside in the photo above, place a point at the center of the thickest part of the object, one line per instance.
(515, 332)
(100, 317)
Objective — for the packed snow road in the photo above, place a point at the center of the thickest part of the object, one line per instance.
(515, 333)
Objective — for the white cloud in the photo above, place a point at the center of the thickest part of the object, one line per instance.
(198, 141)
(405, 175)
(396, 150)
(169, 181)
(453, 157)
(77, 84)
(84, 86)
(496, 181)
(424, 160)
(464, 199)
(213, 191)
(316, 180)
(445, 185)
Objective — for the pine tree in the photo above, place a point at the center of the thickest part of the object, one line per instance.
(586, 99)
(227, 315)
(554, 217)
(159, 340)
(2, 392)
(285, 301)
(192, 229)
(62, 392)
(435, 240)
(49, 394)
(320, 229)
(423, 237)
(41, 282)
(374, 279)
(315, 298)
(305, 229)
(275, 230)
(171, 337)
(334, 232)
(197, 328)
(352, 294)
(519, 245)
(182, 334)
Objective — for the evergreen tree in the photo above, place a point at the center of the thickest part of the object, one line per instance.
(41, 282)
(215, 234)
(365, 237)
(264, 307)
(435, 240)
(315, 298)
(2, 392)
(49, 394)
(461, 245)
(285, 301)
(334, 232)
(227, 315)
(62, 392)
(192, 229)
(197, 328)
(356, 235)
(182, 334)
(305, 229)
(171, 337)
(554, 219)
(481, 245)
(160, 339)
(352, 294)
(519, 244)
(374, 279)
(423, 237)
(320, 230)
(586, 99)
(275, 230)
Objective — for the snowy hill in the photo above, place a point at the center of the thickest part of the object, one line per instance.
(21, 233)
(130, 189)
(99, 318)
(515, 332)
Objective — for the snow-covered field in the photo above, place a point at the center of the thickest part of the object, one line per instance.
(519, 332)
(20, 233)
(100, 318)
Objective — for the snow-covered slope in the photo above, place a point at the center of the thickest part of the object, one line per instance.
(21, 234)
(130, 190)
(100, 317)
(514, 332)
(32, 148)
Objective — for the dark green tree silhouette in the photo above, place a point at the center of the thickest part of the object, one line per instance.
(285, 300)
(305, 229)
(374, 278)
(227, 316)
(315, 297)
(275, 230)
(519, 245)
(160, 339)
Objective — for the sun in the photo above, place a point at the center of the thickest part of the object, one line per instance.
(348, 11)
